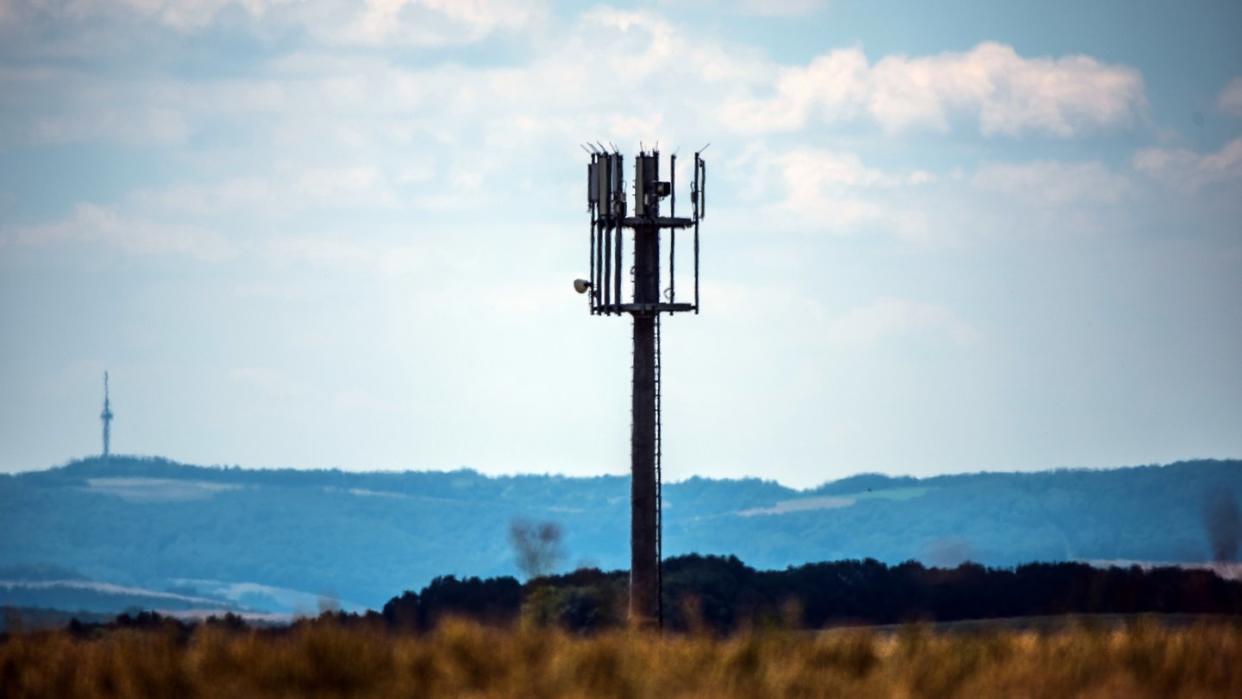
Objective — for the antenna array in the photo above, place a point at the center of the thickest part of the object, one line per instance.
(610, 218)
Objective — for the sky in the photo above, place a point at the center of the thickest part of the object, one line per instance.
(942, 237)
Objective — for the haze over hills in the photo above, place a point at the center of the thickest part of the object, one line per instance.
(167, 535)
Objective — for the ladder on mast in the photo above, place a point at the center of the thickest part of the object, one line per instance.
(659, 489)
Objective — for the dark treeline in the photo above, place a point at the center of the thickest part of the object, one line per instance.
(722, 594)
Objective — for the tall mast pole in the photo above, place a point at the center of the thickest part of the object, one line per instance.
(644, 556)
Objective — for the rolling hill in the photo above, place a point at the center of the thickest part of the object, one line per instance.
(281, 540)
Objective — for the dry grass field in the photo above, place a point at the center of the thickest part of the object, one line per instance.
(459, 659)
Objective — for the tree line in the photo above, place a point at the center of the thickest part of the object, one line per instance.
(722, 594)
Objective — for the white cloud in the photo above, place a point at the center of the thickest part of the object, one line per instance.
(810, 169)
(1052, 184)
(832, 191)
(835, 83)
(323, 251)
(320, 97)
(210, 198)
(359, 130)
(53, 105)
(370, 23)
(781, 8)
(133, 124)
(92, 224)
(437, 22)
(755, 8)
(320, 251)
(338, 182)
(578, 87)
(1230, 99)
(1004, 92)
(182, 15)
(1186, 169)
(894, 318)
(280, 194)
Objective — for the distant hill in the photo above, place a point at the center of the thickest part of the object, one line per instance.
(279, 540)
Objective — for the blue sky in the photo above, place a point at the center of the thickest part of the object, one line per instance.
(319, 234)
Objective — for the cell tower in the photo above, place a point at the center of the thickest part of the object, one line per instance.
(106, 418)
(606, 204)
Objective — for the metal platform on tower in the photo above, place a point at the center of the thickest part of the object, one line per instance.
(647, 308)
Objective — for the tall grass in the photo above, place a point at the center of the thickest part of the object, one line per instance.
(461, 659)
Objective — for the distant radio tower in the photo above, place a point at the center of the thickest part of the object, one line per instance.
(106, 417)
